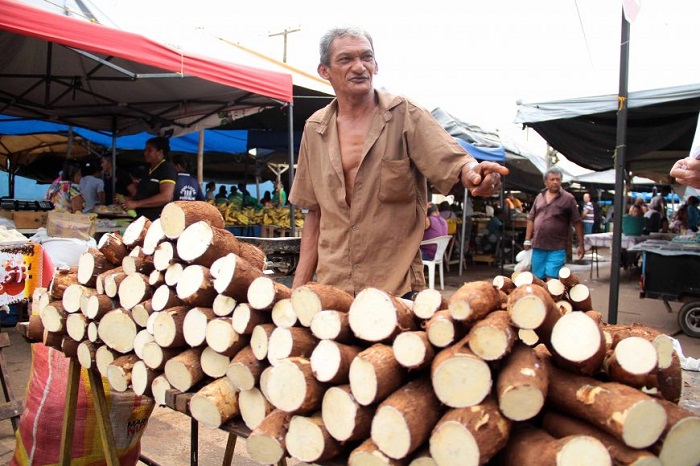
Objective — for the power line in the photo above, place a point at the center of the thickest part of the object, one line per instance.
(583, 31)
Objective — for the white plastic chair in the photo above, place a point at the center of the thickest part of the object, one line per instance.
(441, 242)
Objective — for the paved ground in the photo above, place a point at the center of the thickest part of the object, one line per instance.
(166, 440)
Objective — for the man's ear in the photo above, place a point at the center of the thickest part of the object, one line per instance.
(323, 72)
(376, 67)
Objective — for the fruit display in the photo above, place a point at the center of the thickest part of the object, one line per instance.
(276, 216)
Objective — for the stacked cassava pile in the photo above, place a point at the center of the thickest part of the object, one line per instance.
(514, 371)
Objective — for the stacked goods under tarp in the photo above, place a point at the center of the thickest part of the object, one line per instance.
(512, 370)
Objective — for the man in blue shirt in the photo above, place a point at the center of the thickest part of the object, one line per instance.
(186, 186)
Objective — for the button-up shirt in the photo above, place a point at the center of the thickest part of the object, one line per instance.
(552, 222)
(375, 240)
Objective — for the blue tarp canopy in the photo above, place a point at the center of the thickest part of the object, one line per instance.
(484, 154)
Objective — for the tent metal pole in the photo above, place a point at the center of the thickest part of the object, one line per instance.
(464, 231)
(200, 158)
(114, 159)
(620, 148)
(292, 213)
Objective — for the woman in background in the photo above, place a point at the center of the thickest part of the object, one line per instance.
(64, 192)
(157, 187)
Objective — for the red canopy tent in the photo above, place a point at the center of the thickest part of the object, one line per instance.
(62, 69)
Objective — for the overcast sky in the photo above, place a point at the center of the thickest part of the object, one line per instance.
(473, 58)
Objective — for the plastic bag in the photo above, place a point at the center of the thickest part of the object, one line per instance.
(524, 259)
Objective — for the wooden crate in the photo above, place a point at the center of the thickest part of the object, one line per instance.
(29, 219)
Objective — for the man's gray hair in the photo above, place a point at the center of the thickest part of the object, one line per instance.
(553, 171)
(335, 33)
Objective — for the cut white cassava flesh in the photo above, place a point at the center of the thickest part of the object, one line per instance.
(288, 342)
(469, 436)
(632, 360)
(560, 425)
(259, 340)
(90, 264)
(473, 300)
(53, 317)
(173, 273)
(159, 386)
(141, 312)
(168, 327)
(345, 418)
(266, 442)
(233, 276)
(679, 443)
(202, 244)
(92, 332)
(117, 330)
(503, 283)
(153, 237)
(624, 412)
(535, 446)
(86, 354)
(330, 361)
(264, 292)
(332, 325)
(223, 305)
(142, 378)
(375, 316)
(214, 364)
(164, 297)
(460, 378)
(133, 290)
(283, 314)
(578, 343)
(71, 297)
(367, 454)
(428, 302)
(308, 440)
(244, 369)
(135, 232)
(254, 407)
(443, 330)
(140, 341)
(164, 256)
(529, 306)
(156, 278)
(292, 387)
(215, 403)
(195, 286)
(178, 215)
(404, 420)
(156, 356)
(492, 337)
(103, 358)
(522, 384)
(184, 370)
(195, 325)
(312, 298)
(221, 337)
(95, 306)
(413, 350)
(112, 281)
(119, 372)
(580, 297)
(375, 374)
(245, 319)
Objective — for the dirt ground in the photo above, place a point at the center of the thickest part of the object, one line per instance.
(166, 440)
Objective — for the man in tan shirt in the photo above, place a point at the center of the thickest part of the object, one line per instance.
(363, 168)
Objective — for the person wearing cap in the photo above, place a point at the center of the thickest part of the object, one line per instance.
(91, 186)
(364, 163)
(156, 188)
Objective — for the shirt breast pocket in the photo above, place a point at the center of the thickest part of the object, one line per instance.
(396, 182)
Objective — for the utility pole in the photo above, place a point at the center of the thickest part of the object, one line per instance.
(284, 33)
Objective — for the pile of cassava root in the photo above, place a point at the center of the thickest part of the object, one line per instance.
(514, 371)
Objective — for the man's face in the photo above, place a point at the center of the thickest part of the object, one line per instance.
(553, 183)
(352, 66)
(586, 197)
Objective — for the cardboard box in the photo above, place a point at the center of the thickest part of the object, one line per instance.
(29, 219)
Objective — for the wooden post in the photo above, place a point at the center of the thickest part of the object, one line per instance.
(103, 422)
(69, 413)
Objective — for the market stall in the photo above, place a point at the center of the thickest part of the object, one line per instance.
(329, 378)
